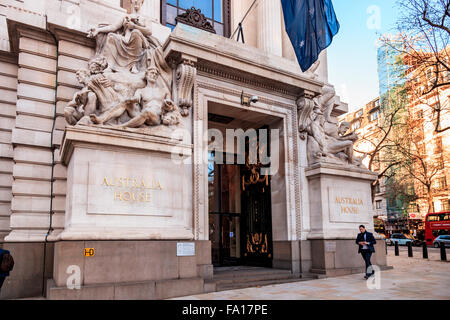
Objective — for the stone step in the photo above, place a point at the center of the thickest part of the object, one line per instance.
(261, 283)
(247, 272)
(253, 278)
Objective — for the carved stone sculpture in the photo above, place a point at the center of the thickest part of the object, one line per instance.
(83, 102)
(129, 83)
(194, 17)
(326, 141)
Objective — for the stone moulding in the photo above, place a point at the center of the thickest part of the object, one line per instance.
(282, 109)
(120, 138)
(338, 170)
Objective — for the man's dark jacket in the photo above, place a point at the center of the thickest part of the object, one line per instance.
(1, 258)
(369, 239)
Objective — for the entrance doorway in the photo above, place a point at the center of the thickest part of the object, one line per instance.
(240, 225)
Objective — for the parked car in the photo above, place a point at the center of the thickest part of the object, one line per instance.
(441, 239)
(400, 238)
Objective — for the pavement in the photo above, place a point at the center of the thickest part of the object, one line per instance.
(410, 279)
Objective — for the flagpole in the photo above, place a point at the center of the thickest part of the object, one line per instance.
(245, 16)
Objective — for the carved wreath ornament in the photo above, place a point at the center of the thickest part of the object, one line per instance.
(194, 17)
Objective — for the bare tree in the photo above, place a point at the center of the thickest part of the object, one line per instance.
(410, 149)
(381, 141)
(398, 152)
(424, 42)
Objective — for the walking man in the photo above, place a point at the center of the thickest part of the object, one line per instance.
(365, 240)
(6, 265)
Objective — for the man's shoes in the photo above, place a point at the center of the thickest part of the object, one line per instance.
(366, 277)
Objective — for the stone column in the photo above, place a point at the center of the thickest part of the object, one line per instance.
(269, 27)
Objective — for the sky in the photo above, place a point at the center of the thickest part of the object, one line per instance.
(352, 56)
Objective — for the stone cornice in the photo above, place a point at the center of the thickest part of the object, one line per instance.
(17, 30)
(318, 169)
(227, 57)
(118, 138)
(71, 35)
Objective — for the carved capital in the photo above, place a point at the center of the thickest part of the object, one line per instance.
(306, 94)
(184, 82)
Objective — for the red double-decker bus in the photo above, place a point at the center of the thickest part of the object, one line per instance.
(436, 223)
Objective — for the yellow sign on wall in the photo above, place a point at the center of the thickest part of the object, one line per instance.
(89, 252)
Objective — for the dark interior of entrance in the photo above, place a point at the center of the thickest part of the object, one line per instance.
(240, 226)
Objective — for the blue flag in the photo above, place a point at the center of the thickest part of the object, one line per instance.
(311, 26)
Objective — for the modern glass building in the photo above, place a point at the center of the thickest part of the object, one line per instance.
(391, 69)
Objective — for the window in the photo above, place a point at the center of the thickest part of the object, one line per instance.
(440, 163)
(412, 207)
(374, 115)
(441, 183)
(431, 74)
(359, 113)
(356, 125)
(378, 204)
(420, 114)
(438, 145)
(216, 11)
(446, 76)
(445, 205)
(420, 146)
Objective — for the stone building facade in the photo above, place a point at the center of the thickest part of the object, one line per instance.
(93, 98)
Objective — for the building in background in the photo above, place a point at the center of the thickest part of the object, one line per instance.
(391, 69)
(406, 192)
(432, 144)
(365, 123)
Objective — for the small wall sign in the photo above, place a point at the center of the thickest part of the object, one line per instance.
(89, 252)
(330, 246)
(185, 249)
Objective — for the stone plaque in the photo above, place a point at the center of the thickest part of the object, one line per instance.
(153, 189)
(185, 249)
(349, 205)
